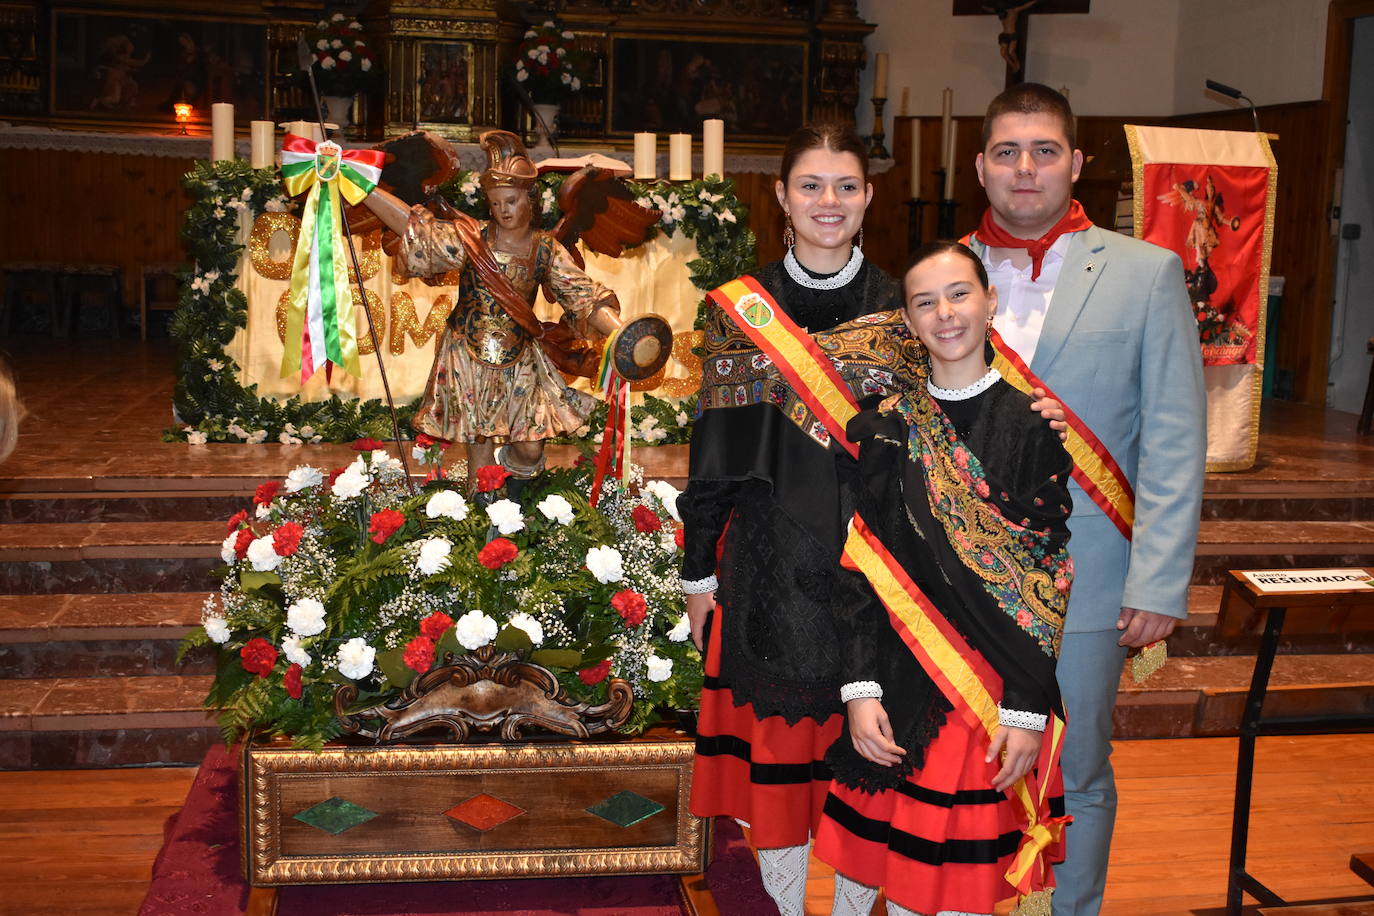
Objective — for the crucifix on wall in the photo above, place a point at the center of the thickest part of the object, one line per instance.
(1013, 20)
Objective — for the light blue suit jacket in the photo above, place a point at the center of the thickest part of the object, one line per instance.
(1119, 346)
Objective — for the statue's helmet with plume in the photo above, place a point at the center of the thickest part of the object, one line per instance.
(508, 165)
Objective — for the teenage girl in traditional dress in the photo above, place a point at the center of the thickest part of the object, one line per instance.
(771, 707)
(952, 621)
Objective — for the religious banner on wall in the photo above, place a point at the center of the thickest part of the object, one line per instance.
(1209, 196)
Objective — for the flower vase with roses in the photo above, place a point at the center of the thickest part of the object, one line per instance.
(344, 62)
(549, 66)
(345, 577)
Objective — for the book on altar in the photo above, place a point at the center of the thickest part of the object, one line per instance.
(1310, 580)
(593, 159)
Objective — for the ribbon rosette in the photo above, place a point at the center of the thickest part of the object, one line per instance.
(320, 306)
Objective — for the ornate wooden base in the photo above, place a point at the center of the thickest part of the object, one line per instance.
(359, 814)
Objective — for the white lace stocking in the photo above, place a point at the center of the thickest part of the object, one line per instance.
(852, 898)
(784, 877)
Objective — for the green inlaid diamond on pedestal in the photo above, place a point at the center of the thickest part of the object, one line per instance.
(625, 809)
(334, 815)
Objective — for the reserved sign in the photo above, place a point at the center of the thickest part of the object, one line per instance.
(1310, 580)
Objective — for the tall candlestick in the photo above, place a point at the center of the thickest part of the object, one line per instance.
(946, 117)
(679, 157)
(949, 169)
(880, 76)
(713, 147)
(915, 157)
(906, 101)
(262, 155)
(646, 156)
(221, 131)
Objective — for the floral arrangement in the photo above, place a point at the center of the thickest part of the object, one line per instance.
(344, 63)
(347, 577)
(548, 65)
(214, 406)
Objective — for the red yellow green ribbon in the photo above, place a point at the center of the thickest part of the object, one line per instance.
(972, 687)
(320, 306)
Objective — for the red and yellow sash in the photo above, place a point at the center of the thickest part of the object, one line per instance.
(1093, 466)
(796, 354)
(972, 686)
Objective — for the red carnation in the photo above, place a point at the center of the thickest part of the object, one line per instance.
(491, 477)
(645, 519)
(333, 476)
(595, 675)
(436, 625)
(242, 541)
(384, 524)
(367, 445)
(238, 518)
(680, 538)
(497, 553)
(266, 492)
(258, 656)
(419, 654)
(631, 605)
(424, 440)
(287, 538)
(291, 680)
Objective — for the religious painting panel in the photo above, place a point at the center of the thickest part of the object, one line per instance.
(443, 77)
(132, 67)
(669, 85)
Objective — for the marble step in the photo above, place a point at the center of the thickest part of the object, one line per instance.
(1197, 697)
(108, 557)
(1236, 544)
(74, 723)
(99, 635)
(1311, 631)
(168, 506)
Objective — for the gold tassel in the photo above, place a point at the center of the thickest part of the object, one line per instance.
(1036, 904)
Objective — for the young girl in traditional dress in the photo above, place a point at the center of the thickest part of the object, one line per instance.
(945, 791)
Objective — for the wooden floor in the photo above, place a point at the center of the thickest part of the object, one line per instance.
(80, 843)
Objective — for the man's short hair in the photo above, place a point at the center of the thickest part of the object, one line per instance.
(1031, 98)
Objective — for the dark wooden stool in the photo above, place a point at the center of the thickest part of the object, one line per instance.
(92, 288)
(1367, 411)
(26, 283)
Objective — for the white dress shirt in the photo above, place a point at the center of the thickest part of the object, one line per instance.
(1023, 302)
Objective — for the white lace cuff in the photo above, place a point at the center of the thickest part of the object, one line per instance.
(699, 586)
(856, 690)
(1019, 718)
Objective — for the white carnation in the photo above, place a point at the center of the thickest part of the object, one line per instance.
(196, 437)
(474, 630)
(505, 515)
(366, 64)
(556, 508)
(667, 494)
(355, 658)
(322, 44)
(681, 630)
(305, 617)
(217, 628)
(327, 63)
(352, 481)
(303, 477)
(659, 669)
(263, 555)
(532, 627)
(291, 648)
(383, 463)
(262, 512)
(345, 55)
(434, 555)
(448, 504)
(606, 564)
(226, 549)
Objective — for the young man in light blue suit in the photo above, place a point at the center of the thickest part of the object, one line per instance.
(1105, 322)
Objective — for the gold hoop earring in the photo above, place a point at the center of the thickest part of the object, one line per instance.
(859, 240)
(789, 235)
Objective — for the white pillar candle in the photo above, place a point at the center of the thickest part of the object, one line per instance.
(679, 157)
(713, 147)
(646, 156)
(221, 131)
(262, 155)
(906, 101)
(946, 116)
(880, 76)
(915, 157)
(949, 169)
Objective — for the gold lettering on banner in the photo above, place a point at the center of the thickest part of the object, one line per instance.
(374, 302)
(405, 320)
(683, 342)
(268, 224)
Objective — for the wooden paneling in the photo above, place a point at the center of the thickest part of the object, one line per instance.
(84, 208)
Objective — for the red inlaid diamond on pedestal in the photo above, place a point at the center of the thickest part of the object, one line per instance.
(483, 812)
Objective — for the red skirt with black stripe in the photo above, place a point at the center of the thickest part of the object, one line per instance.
(767, 773)
(942, 841)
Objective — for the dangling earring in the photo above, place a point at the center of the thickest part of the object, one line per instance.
(789, 235)
(859, 239)
(989, 330)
